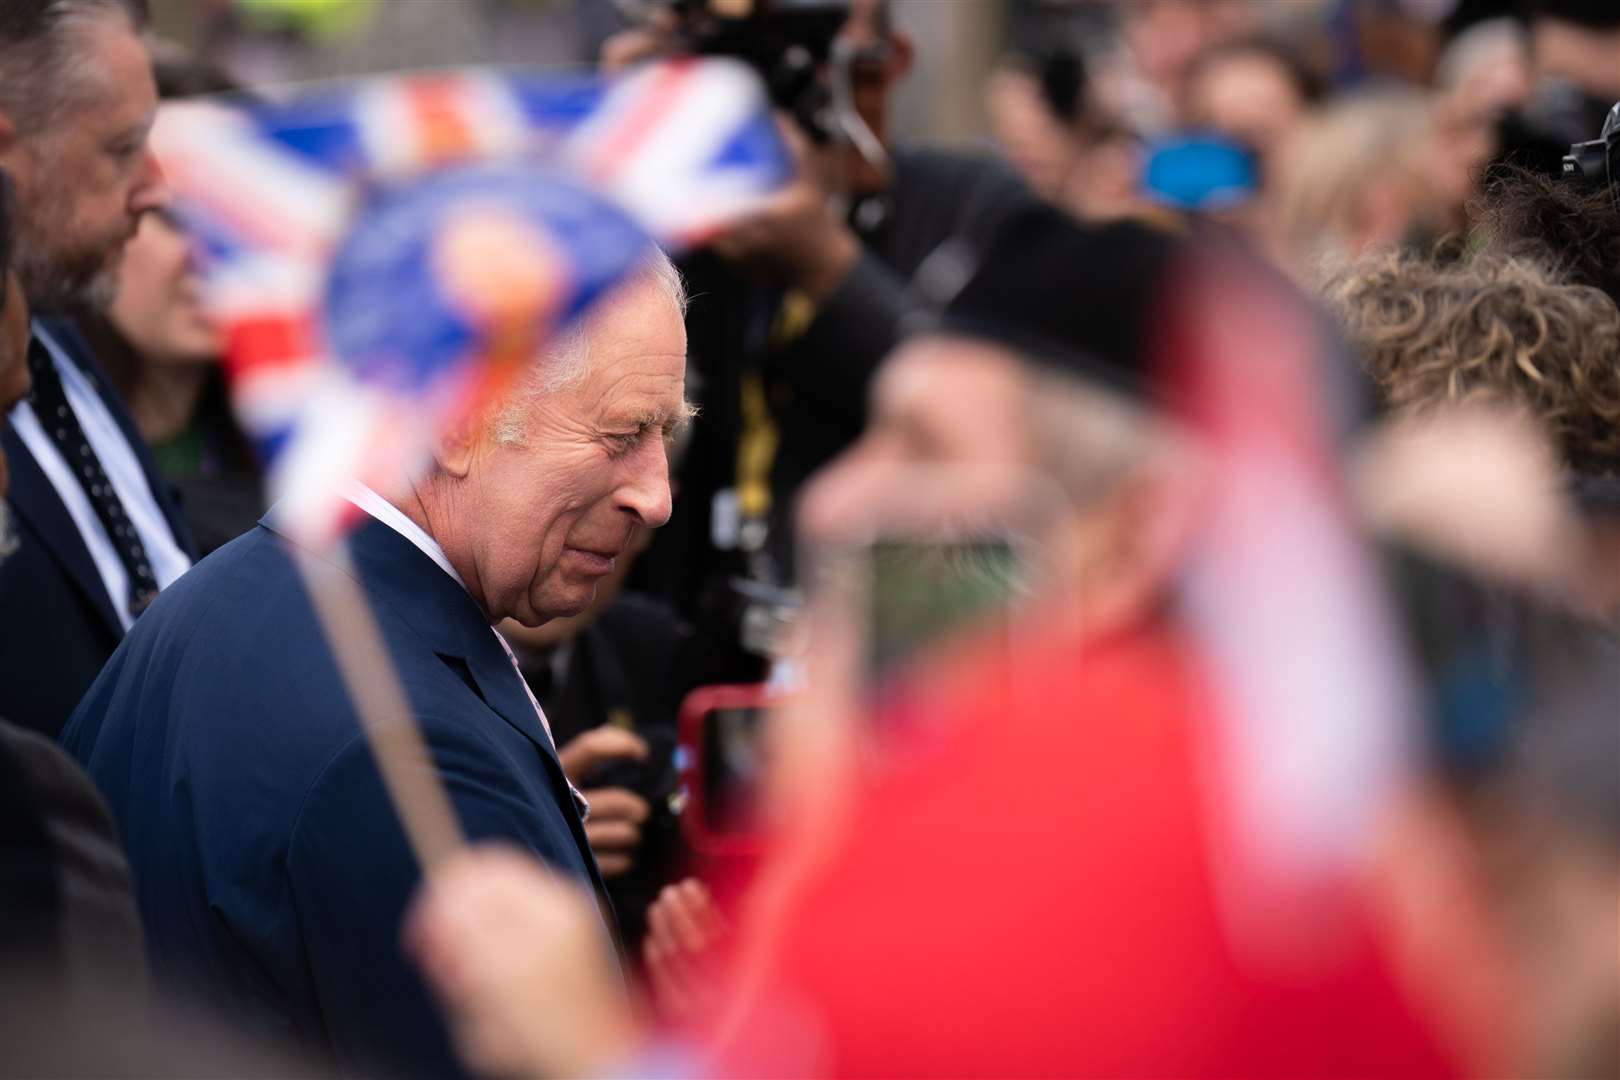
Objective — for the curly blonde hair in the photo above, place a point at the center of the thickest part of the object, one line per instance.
(1493, 327)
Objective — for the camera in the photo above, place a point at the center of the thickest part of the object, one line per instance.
(1597, 161)
(788, 42)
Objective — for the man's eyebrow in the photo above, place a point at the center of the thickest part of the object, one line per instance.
(669, 420)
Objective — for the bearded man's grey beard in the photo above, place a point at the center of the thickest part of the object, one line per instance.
(9, 540)
(60, 280)
(54, 290)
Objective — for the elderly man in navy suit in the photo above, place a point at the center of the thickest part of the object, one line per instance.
(271, 870)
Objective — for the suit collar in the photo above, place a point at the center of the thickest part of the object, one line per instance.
(407, 581)
(396, 519)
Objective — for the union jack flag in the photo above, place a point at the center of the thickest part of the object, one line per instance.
(382, 257)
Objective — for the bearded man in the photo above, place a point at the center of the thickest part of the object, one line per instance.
(101, 535)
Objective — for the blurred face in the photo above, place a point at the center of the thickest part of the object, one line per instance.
(951, 401)
(544, 522)
(159, 307)
(85, 182)
(939, 401)
(1032, 138)
(880, 58)
(1164, 35)
(1249, 98)
(1461, 142)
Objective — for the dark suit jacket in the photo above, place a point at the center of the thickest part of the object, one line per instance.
(55, 824)
(632, 667)
(57, 623)
(271, 870)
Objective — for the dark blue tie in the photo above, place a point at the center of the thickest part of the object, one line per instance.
(50, 404)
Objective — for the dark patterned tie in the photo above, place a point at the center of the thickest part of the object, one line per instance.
(50, 404)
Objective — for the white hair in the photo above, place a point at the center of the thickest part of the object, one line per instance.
(568, 358)
(1479, 45)
(1091, 438)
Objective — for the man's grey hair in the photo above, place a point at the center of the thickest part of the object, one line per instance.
(1091, 438)
(569, 358)
(44, 70)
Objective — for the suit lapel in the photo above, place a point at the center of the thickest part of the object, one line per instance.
(37, 503)
(502, 688)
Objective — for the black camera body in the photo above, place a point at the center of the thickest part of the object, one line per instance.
(787, 42)
(1597, 162)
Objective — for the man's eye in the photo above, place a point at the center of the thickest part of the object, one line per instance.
(624, 441)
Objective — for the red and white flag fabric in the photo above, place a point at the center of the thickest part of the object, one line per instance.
(383, 256)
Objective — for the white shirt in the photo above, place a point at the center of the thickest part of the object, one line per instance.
(123, 469)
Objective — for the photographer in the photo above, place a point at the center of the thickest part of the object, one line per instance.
(1574, 45)
(793, 309)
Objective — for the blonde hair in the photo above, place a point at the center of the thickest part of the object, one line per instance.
(1325, 169)
(1494, 328)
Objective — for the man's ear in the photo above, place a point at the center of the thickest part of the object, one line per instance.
(456, 448)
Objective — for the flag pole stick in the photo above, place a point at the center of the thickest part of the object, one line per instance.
(396, 742)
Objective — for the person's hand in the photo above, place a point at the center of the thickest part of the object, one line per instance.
(654, 38)
(794, 238)
(684, 930)
(614, 828)
(617, 814)
(523, 967)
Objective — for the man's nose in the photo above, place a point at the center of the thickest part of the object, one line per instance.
(645, 493)
(151, 191)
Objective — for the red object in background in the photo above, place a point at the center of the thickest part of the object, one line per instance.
(722, 854)
(1033, 896)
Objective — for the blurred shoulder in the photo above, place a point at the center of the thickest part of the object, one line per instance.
(956, 167)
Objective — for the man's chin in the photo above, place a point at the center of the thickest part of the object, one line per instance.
(574, 601)
(67, 292)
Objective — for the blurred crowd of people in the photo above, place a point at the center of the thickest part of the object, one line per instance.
(1154, 576)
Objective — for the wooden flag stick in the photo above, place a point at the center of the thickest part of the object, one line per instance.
(396, 742)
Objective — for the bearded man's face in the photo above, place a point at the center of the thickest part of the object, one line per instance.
(90, 176)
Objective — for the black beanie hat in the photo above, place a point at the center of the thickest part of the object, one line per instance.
(1595, 14)
(1068, 296)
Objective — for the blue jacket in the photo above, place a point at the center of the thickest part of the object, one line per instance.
(271, 870)
(57, 623)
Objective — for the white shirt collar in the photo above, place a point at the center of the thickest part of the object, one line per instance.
(393, 517)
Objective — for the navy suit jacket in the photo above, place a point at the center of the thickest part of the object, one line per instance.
(57, 623)
(271, 870)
